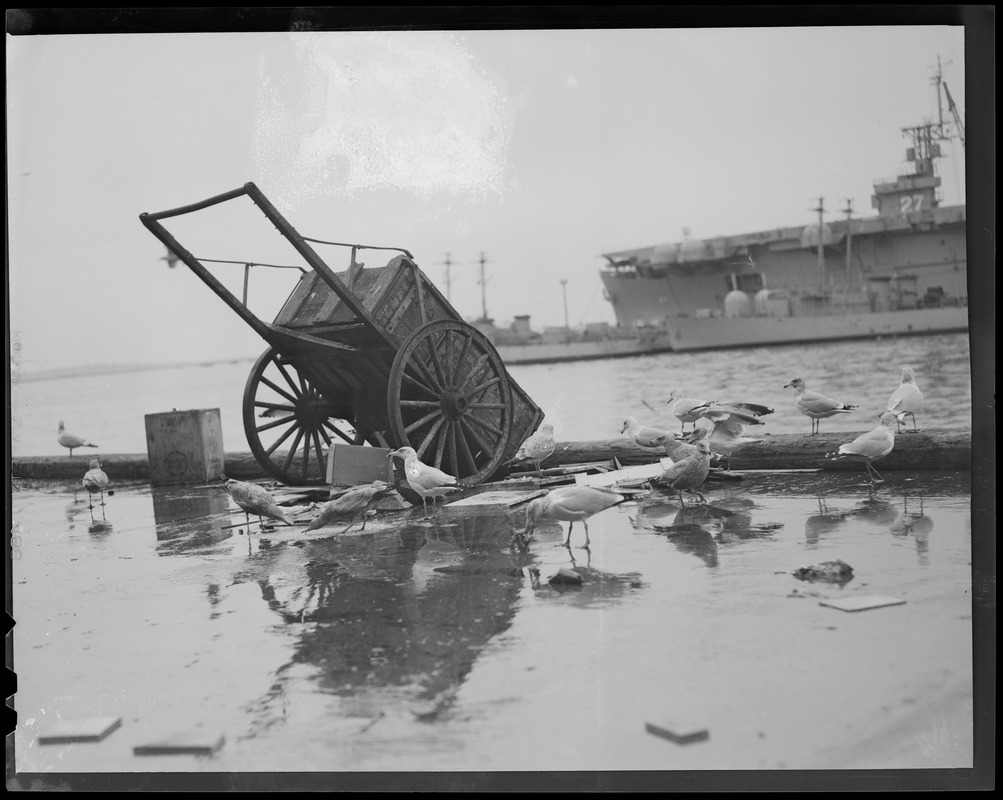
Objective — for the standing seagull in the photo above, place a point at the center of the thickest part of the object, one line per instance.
(570, 504)
(688, 474)
(71, 441)
(426, 481)
(682, 408)
(642, 434)
(814, 405)
(537, 448)
(95, 480)
(872, 445)
(353, 504)
(906, 399)
(676, 448)
(254, 499)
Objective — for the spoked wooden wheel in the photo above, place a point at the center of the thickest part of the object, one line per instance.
(289, 424)
(449, 398)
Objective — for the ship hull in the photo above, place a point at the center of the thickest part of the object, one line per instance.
(583, 351)
(690, 334)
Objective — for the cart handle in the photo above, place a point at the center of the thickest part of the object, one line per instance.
(212, 201)
(359, 246)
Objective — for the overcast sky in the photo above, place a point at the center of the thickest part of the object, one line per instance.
(541, 149)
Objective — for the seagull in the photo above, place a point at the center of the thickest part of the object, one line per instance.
(682, 407)
(872, 445)
(687, 409)
(688, 474)
(254, 499)
(426, 481)
(570, 504)
(814, 405)
(642, 434)
(71, 441)
(537, 448)
(675, 447)
(723, 426)
(95, 480)
(353, 504)
(906, 399)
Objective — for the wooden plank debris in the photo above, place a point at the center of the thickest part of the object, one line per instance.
(87, 729)
(194, 744)
(502, 497)
(639, 473)
(862, 603)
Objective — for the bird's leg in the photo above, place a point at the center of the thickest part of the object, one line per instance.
(875, 473)
(586, 524)
(567, 542)
(682, 502)
(102, 497)
(914, 428)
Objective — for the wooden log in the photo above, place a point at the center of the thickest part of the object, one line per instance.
(119, 466)
(937, 450)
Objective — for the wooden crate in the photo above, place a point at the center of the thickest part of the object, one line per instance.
(184, 446)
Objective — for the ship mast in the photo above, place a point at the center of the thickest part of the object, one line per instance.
(821, 246)
(483, 282)
(848, 210)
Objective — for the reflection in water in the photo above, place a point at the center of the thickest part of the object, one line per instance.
(73, 509)
(823, 523)
(189, 519)
(876, 511)
(915, 523)
(100, 527)
(700, 529)
(403, 608)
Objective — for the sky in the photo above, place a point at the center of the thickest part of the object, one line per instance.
(538, 150)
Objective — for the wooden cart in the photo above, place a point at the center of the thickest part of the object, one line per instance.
(370, 355)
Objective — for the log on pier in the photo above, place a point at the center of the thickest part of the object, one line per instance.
(935, 449)
(119, 466)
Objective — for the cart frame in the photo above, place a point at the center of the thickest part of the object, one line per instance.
(378, 348)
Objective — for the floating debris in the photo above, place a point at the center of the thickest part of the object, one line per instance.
(863, 603)
(88, 729)
(565, 576)
(680, 734)
(830, 571)
(181, 744)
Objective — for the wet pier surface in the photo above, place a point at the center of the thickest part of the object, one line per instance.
(432, 645)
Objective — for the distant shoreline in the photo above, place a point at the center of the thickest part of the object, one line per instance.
(111, 369)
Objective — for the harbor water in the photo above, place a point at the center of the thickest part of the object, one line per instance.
(431, 645)
(585, 400)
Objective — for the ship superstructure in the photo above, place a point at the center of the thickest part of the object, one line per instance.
(910, 257)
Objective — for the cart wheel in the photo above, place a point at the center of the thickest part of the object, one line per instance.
(449, 397)
(289, 424)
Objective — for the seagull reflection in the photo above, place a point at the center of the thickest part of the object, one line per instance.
(914, 523)
(74, 508)
(823, 523)
(876, 511)
(101, 527)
